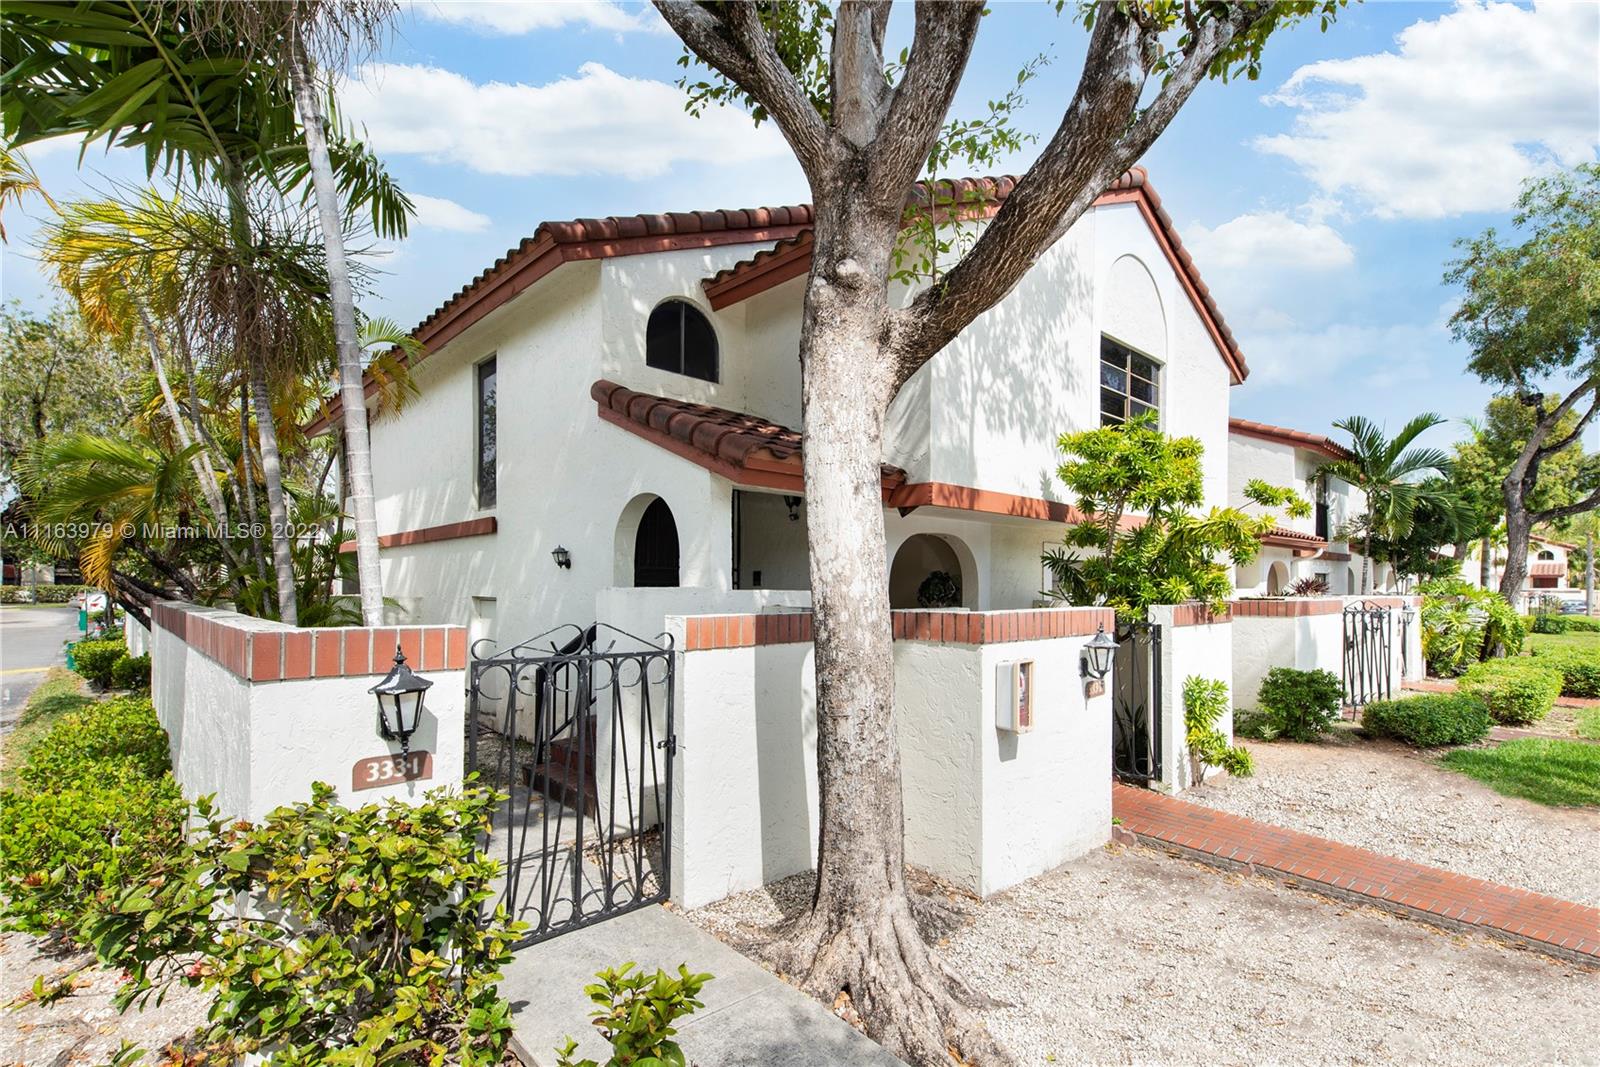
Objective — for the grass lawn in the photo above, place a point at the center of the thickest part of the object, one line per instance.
(1550, 771)
(1572, 639)
(1589, 722)
(61, 692)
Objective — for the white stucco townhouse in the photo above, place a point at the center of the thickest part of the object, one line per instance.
(1547, 569)
(1299, 548)
(615, 404)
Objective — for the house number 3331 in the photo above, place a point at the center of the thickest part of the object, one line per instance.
(374, 772)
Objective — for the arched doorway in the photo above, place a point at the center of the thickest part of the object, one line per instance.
(655, 547)
(1277, 579)
(1350, 581)
(928, 572)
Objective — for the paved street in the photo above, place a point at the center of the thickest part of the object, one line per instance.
(30, 644)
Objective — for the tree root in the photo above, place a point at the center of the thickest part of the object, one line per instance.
(909, 1002)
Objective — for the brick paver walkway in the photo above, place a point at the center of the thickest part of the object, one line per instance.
(1548, 924)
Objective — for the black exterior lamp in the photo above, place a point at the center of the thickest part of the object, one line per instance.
(1096, 661)
(562, 557)
(400, 702)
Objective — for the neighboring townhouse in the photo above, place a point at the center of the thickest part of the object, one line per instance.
(615, 405)
(1547, 571)
(1298, 548)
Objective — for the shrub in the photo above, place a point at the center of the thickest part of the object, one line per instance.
(374, 949)
(1579, 667)
(66, 849)
(14, 594)
(1429, 720)
(131, 672)
(1518, 691)
(94, 812)
(1299, 705)
(1462, 625)
(1583, 624)
(1205, 702)
(95, 660)
(122, 732)
(58, 594)
(1311, 585)
(635, 1015)
(1549, 624)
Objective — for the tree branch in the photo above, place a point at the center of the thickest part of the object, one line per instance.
(733, 41)
(856, 66)
(1588, 503)
(1577, 431)
(1098, 139)
(940, 50)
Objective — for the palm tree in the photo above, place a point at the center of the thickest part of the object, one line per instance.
(170, 79)
(17, 179)
(1390, 472)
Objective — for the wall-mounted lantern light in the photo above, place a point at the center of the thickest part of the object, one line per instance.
(400, 702)
(793, 504)
(1096, 661)
(562, 557)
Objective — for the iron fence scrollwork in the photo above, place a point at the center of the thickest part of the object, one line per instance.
(1368, 672)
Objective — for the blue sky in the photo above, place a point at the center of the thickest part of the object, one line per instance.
(1320, 202)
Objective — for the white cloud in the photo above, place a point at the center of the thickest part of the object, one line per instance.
(437, 213)
(530, 16)
(1309, 356)
(1469, 105)
(599, 122)
(1262, 240)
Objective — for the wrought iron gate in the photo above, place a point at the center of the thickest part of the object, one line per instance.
(575, 727)
(1368, 653)
(1136, 703)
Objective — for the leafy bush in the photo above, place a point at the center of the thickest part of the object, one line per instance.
(14, 594)
(131, 672)
(939, 590)
(1549, 624)
(1462, 625)
(369, 947)
(118, 733)
(95, 660)
(1579, 667)
(635, 1014)
(58, 594)
(1518, 691)
(94, 812)
(1205, 702)
(1310, 585)
(1299, 705)
(1584, 624)
(1429, 720)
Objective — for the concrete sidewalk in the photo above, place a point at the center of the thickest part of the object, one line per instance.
(752, 1018)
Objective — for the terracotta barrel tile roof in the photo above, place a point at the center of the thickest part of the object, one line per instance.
(1287, 538)
(746, 449)
(1546, 569)
(1283, 435)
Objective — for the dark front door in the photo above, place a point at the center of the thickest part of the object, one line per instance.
(655, 548)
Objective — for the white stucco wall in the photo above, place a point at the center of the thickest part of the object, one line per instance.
(1205, 650)
(258, 745)
(1262, 642)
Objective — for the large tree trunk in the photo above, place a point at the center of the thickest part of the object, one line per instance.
(277, 509)
(1519, 528)
(1486, 562)
(357, 443)
(860, 936)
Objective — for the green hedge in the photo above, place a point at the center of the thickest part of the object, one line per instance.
(95, 660)
(1518, 691)
(1298, 705)
(1579, 667)
(1429, 720)
(93, 813)
(131, 672)
(1582, 624)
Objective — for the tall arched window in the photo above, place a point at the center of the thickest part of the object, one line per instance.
(678, 338)
(655, 547)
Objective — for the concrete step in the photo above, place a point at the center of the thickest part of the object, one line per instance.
(751, 1018)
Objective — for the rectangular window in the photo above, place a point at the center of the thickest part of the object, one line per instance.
(1324, 523)
(486, 433)
(1130, 384)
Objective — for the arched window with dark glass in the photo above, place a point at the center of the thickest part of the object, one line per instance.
(678, 338)
(655, 547)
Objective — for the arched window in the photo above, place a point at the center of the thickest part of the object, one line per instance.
(1546, 554)
(680, 339)
(655, 547)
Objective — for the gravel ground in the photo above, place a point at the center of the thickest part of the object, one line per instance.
(1394, 800)
(1133, 956)
(82, 1027)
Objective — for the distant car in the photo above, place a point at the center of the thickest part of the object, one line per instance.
(1572, 607)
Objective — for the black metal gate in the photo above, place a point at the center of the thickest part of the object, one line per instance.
(1368, 653)
(575, 727)
(1136, 703)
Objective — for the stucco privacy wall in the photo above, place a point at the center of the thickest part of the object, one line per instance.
(1193, 642)
(256, 711)
(1307, 633)
(983, 808)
